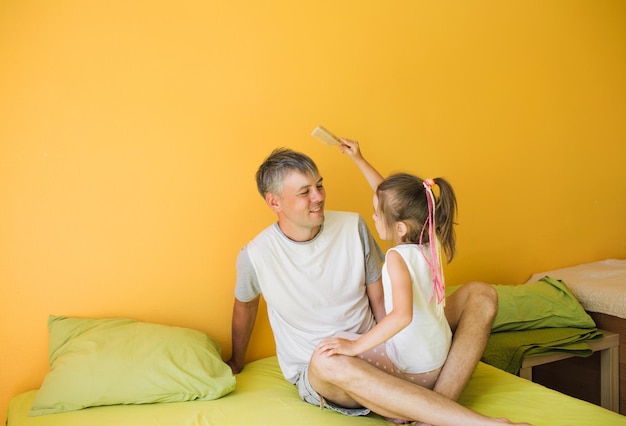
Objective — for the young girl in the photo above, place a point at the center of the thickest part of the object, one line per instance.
(413, 339)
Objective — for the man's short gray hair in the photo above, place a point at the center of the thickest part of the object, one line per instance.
(281, 162)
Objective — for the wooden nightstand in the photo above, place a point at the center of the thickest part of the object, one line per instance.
(608, 346)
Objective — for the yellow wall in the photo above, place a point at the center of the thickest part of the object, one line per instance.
(130, 133)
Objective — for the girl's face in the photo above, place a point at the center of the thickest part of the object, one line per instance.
(385, 232)
(379, 222)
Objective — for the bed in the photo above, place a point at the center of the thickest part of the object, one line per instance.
(263, 397)
(117, 371)
(601, 289)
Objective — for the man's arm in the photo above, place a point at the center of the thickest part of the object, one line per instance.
(244, 315)
(377, 299)
(373, 278)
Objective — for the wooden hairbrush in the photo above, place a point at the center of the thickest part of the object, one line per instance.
(326, 136)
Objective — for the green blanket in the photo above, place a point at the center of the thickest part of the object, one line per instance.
(506, 350)
(546, 303)
(535, 319)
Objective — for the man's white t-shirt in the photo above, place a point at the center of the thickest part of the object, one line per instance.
(313, 289)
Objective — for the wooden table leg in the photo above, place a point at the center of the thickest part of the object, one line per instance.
(609, 378)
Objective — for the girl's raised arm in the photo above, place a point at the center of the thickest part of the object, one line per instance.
(351, 148)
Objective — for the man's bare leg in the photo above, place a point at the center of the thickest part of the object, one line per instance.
(470, 312)
(352, 382)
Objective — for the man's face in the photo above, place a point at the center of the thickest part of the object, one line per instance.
(300, 206)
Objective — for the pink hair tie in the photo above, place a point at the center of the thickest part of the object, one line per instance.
(434, 262)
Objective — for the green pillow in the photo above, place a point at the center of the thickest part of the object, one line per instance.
(96, 362)
(544, 304)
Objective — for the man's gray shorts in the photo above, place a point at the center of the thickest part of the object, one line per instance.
(308, 394)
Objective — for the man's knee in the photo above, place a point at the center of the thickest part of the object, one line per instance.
(331, 376)
(326, 368)
(475, 299)
(486, 294)
(482, 298)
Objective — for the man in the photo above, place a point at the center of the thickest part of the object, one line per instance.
(319, 273)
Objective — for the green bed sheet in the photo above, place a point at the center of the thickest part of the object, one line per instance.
(263, 397)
